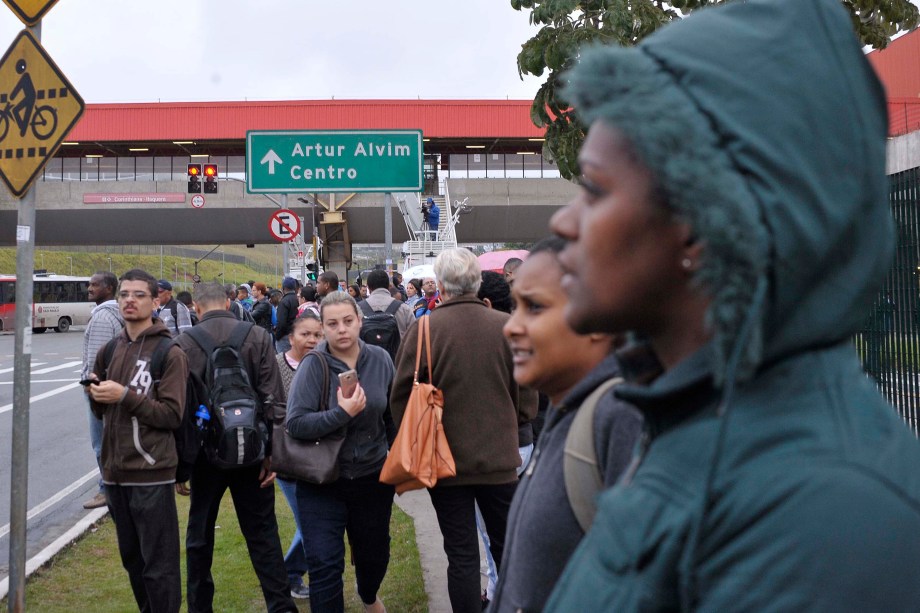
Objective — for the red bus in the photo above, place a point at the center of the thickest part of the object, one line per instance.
(58, 302)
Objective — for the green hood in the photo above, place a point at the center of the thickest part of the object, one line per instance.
(774, 154)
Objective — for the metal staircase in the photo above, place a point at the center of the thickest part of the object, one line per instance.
(422, 248)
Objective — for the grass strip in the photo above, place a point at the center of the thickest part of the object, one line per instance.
(88, 576)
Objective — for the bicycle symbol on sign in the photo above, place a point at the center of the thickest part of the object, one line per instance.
(41, 119)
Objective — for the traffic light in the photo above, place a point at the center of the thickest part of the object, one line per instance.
(194, 178)
(311, 272)
(210, 178)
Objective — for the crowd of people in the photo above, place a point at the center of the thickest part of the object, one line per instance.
(659, 409)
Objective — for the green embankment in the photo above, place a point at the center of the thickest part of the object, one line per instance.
(264, 262)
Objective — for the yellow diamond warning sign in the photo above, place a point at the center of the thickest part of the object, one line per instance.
(30, 11)
(38, 107)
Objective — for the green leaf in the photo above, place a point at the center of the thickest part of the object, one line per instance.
(569, 25)
(530, 59)
(538, 114)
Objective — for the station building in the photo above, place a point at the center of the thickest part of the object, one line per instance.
(123, 168)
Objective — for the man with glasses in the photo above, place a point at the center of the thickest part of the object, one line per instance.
(139, 457)
(430, 298)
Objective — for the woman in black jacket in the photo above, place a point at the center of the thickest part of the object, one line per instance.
(262, 308)
(356, 503)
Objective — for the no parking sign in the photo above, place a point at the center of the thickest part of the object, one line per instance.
(284, 225)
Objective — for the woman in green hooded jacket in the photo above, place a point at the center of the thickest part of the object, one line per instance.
(734, 201)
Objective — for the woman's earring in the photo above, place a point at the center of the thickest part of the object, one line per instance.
(687, 264)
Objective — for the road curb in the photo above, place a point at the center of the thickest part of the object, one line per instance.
(46, 554)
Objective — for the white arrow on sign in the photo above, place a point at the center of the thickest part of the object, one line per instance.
(271, 158)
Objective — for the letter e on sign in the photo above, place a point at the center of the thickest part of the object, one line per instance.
(284, 225)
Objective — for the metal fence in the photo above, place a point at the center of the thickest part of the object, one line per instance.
(889, 343)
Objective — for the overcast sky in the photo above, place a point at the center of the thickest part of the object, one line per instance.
(200, 50)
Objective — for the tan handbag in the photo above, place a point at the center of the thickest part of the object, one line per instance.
(420, 454)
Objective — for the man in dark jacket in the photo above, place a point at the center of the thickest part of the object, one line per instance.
(252, 488)
(139, 457)
(483, 406)
(287, 313)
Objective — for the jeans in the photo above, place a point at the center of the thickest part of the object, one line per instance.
(455, 507)
(359, 508)
(525, 453)
(255, 511)
(295, 560)
(147, 528)
(95, 438)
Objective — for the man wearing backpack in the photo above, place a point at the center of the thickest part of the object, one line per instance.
(242, 394)
(237, 307)
(139, 457)
(172, 312)
(385, 318)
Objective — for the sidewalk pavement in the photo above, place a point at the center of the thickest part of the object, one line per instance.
(417, 504)
(430, 543)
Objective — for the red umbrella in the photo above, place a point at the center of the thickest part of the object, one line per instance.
(495, 260)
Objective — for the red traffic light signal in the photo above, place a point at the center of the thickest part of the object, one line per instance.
(194, 178)
(210, 178)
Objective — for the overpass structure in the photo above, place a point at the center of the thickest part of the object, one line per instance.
(122, 173)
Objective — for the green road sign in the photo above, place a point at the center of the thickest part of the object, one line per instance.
(286, 161)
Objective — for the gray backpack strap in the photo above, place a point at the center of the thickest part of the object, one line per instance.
(583, 477)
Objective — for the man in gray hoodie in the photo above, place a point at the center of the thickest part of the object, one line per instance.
(105, 323)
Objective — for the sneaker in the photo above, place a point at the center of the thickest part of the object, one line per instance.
(95, 502)
(299, 590)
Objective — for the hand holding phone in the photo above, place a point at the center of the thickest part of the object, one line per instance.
(88, 382)
(348, 381)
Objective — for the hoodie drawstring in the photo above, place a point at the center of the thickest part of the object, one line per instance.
(687, 565)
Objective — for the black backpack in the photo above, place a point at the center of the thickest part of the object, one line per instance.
(380, 327)
(237, 435)
(237, 308)
(188, 438)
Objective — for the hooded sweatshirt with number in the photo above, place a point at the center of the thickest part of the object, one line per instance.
(138, 446)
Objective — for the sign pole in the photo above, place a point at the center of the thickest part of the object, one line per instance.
(285, 269)
(314, 237)
(22, 351)
(388, 230)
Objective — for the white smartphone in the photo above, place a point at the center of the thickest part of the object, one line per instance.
(348, 381)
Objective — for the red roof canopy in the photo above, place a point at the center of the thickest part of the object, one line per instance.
(230, 120)
(897, 66)
(903, 115)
